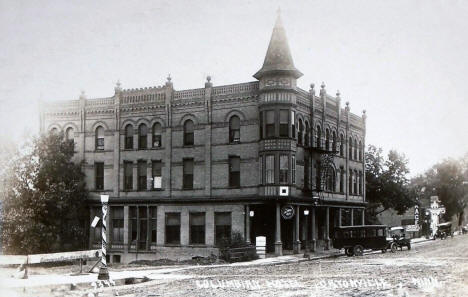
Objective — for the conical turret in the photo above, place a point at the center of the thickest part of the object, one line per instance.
(278, 58)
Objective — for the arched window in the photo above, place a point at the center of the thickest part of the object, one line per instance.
(99, 141)
(69, 134)
(157, 138)
(350, 148)
(342, 145)
(342, 180)
(142, 136)
(331, 179)
(188, 132)
(327, 139)
(54, 131)
(360, 150)
(319, 137)
(234, 129)
(300, 134)
(355, 182)
(334, 141)
(355, 149)
(307, 133)
(129, 137)
(350, 184)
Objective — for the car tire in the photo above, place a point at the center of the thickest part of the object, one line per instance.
(358, 250)
(393, 247)
(349, 252)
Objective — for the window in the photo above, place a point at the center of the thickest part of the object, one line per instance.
(342, 145)
(293, 170)
(318, 177)
(157, 131)
(261, 125)
(117, 213)
(330, 182)
(222, 227)
(319, 137)
(283, 169)
(142, 175)
(153, 222)
(360, 183)
(260, 163)
(327, 140)
(142, 227)
(188, 174)
(173, 228)
(360, 150)
(99, 175)
(293, 124)
(69, 134)
(234, 129)
(133, 225)
(188, 132)
(284, 123)
(350, 148)
(128, 174)
(301, 132)
(355, 178)
(139, 224)
(129, 137)
(270, 169)
(342, 180)
(54, 131)
(307, 133)
(270, 124)
(142, 137)
(99, 138)
(234, 172)
(350, 184)
(334, 141)
(355, 149)
(156, 169)
(197, 228)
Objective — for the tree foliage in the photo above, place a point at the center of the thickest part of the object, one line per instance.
(387, 181)
(44, 198)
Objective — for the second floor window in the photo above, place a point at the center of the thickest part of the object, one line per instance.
(284, 123)
(283, 169)
(143, 136)
(129, 137)
(334, 141)
(128, 176)
(234, 172)
(157, 131)
(141, 175)
(293, 124)
(188, 174)
(355, 149)
(234, 129)
(99, 175)
(318, 139)
(327, 140)
(293, 170)
(197, 228)
(270, 169)
(188, 132)
(99, 138)
(157, 174)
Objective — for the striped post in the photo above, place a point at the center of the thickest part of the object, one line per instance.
(103, 273)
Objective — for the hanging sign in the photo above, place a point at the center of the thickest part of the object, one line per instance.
(287, 212)
(95, 221)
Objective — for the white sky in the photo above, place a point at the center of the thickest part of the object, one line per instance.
(405, 62)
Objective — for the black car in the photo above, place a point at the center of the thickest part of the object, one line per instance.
(397, 239)
(354, 239)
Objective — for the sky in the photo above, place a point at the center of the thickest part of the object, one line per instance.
(404, 62)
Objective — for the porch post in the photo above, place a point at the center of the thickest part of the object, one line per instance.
(362, 217)
(297, 242)
(352, 216)
(327, 228)
(278, 243)
(312, 233)
(339, 217)
(247, 224)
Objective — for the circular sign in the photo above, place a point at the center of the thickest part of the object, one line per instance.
(287, 212)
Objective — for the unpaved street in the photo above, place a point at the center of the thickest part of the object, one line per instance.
(434, 268)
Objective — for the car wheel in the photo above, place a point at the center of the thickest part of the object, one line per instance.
(409, 246)
(393, 247)
(358, 250)
(349, 252)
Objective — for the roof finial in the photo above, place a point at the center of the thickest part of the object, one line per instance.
(118, 86)
(322, 90)
(169, 77)
(82, 95)
(169, 82)
(208, 83)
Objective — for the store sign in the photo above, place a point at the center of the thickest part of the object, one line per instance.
(416, 214)
(412, 228)
(287, 212)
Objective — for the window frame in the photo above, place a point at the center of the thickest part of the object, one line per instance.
(128, 142)
(234, 175)
(233, 130)
(99, 178)
(189, 136)
(194, 238)
(176, 240)
(157, 135)
(186, 184)
(142, 137)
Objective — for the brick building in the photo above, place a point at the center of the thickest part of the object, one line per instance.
(185, 169)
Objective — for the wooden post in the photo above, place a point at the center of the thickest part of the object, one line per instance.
(278, 243)
(247, 224)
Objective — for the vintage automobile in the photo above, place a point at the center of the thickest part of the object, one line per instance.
(465, 229)
(444, 230)
(355, 239)
(397, 239)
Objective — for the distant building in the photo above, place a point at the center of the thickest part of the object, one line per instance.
(185, 169)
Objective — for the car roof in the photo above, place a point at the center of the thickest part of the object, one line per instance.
(362, 226)
(397, 228)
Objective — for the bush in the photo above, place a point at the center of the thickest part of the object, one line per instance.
(227, 245)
